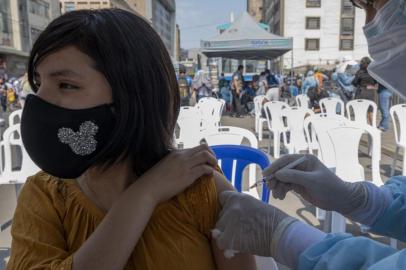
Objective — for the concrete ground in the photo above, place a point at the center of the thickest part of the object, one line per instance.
(293, 204)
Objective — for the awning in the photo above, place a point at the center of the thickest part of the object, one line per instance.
(246, 40)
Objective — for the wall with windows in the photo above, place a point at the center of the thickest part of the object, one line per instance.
(323, 31)
(6, 33)
(163, 21)
(40, 14)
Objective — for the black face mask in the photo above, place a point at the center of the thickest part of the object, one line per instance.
(64, 142)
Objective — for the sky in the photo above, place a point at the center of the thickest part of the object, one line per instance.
(198, 19)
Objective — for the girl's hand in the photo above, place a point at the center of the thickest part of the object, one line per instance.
(177, 171)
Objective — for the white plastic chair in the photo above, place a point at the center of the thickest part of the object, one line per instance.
(210, 109)
(273, 112)
(15, 117)
(28, 167)
(259, 120)
(302, 101)
(189, 121)
(398, 114)
(357, 111)
(360, 108)
(227, 135)
(345, 144)
(330, 106)
(295, 118)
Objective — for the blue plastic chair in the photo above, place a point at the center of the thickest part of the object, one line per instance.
(244, 156)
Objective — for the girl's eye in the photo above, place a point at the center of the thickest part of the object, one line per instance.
(67, 86)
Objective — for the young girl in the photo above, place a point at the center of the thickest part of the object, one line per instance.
(113, 193)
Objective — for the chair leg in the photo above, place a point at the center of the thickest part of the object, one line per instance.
(256, 123)
(276, 144)
(269, 142)
(260, 129)
(392, 173)
(369, 145)
(404, 162)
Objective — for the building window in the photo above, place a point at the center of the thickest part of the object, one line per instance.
(35, 34)
(346, 44)
(313, 3)
(40, 8)
(348, 8)
(69, 6)
(312, 44)
(347, 26)
(313, 23)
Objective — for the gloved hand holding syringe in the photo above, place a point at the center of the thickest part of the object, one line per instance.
(249, 225)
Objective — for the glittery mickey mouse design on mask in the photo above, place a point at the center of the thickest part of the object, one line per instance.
(83, 142)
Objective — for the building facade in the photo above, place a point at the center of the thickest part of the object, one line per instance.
(21, 22)
(323, 31)
(254, 8)
(160, 13)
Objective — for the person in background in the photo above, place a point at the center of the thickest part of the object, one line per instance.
(273, 94)
(285, 92)
(320, 77)
(184, 87)
(315, 94)
(309, 82)
(225, 92)
(271, 78)
(384, 104)
(366, 86)
(23, 89)
(237, 84)
(262, 84)
(247, 97)
(299, 81)
(3, 95)
(202, 85)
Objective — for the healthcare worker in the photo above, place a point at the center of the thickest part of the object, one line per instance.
(248, 225)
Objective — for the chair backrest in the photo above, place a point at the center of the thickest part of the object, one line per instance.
(295, 117)
(359, 108)
(230, 135)
(332, 106)
(15, 117)
(189, 121)
(345, 142)
(302, 101)
(220, 105)
(273, 112)
(12, 137)
(235, 158)
(316, 127)
(258, 105)
(398, 114)
(210, 109)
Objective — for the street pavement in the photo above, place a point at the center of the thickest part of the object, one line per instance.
(294, 205)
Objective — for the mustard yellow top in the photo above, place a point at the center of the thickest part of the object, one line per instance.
(54, 218)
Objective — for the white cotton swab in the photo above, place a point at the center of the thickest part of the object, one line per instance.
(228, 253)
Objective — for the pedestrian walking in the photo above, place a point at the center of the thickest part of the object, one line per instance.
(366, 86)
(237, 84)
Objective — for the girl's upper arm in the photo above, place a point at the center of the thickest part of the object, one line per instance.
(240, 261)
(37, 232)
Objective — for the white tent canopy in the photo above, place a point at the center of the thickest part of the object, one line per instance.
(246, 40)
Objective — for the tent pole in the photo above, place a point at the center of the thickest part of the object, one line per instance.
(291, 71)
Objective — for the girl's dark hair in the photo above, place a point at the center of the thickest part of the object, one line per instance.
(135, 62)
